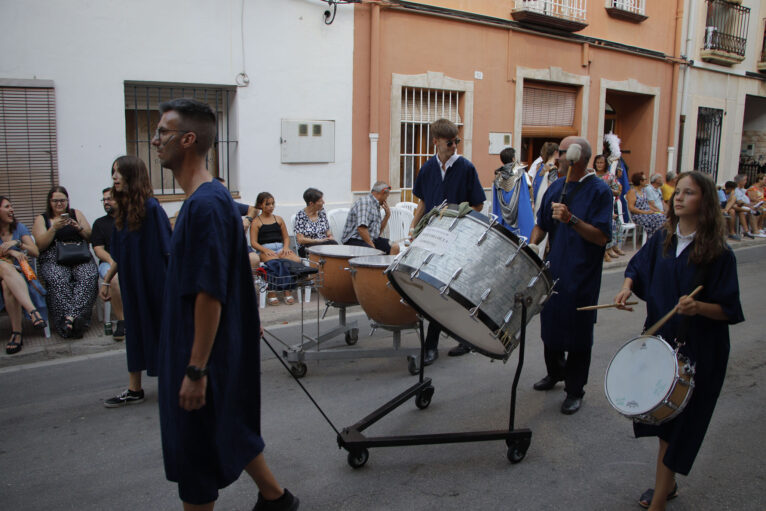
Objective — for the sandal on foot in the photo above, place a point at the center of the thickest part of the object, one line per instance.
(289, 300)
(37, 319)
(272, 300)
(68, 326)
(646, 498)
(13, 345)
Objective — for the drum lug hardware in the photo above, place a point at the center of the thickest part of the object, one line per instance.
(534, 280)
(513, 256)
(351, 270)
(322, 260)
(444, 289)
(475, 310)
(493, 221)
(423, 263)
(454, 223)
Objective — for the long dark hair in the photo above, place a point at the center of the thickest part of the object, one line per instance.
(261, 198)
(710, 240)
(14, 222)
(48, 208)
(136, 190)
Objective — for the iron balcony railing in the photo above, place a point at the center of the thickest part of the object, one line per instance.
(634, 6)
(573, 10)
(726, 27)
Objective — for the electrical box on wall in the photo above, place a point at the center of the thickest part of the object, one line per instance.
(498, 142)
(308, 141)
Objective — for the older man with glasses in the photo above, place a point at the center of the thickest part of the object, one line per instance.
(446, 176)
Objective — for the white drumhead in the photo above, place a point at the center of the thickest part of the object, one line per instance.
(372, 261)
(451, 315)
(345, 251)
(640, 375)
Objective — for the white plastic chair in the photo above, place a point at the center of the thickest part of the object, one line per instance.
(627, 227)
(399, 224)
(337, 218)
(409, 206)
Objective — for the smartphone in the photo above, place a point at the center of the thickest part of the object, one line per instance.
(65, 216)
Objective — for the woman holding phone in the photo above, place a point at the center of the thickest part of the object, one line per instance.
(71, 288)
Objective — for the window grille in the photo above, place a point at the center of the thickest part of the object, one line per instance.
(708, 146)
(634, 6)
(142, 115)
(421, 107)
(574, 10)
(28, 151)
(726, 27)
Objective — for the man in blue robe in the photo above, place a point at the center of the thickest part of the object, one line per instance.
(446, 176)
(209, 359)
(576, 213)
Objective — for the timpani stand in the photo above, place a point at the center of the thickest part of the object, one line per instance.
(336, 281)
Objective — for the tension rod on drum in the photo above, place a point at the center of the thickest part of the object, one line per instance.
(298, 381)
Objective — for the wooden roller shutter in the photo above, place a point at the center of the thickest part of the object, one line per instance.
(548, 111)
(28, 154)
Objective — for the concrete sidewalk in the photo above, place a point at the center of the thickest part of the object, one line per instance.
(37, 348)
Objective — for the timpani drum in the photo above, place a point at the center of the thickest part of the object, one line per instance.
(332, 261)
(648, 381)
(471, 275)
(379, 300)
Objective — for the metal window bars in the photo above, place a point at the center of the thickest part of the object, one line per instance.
(726, 27)
(634, 6)
(142, 115)
(574, 10)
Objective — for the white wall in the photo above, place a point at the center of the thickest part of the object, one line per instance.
(298, 68)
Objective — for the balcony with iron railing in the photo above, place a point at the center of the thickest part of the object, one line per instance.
(567, 15)
(629, 10)
(725, 33)
(762, 60)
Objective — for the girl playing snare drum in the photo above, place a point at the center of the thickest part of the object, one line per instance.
(688, 251)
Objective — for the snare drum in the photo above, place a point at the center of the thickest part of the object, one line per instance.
(332, 261)
(466, 274)
(648, 381)
(378, 299)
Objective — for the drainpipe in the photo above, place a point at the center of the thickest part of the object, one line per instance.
(686, 79)
(374, 90)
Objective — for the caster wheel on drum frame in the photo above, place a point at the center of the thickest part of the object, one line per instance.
(299, 369)
(516, 453)
(358, 457)
(423, 397)
(352, 336)
(413, 366)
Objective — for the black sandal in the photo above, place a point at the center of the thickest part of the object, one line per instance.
(13, 345)
(646, 498)
(37, 319)
(68, 326)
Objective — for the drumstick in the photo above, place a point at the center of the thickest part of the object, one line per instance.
(604, 306)
(666, 317)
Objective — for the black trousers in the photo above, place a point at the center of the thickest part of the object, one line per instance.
(381, 244)
(572, 367)
(432, 335)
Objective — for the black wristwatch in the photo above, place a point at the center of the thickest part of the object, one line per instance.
(573, 219)
(195, 373)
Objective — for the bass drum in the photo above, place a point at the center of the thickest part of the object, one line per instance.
(648, 381)
(380, 301)
(332, 262)
(469, 274)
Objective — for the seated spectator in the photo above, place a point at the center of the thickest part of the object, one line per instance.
(18, 290)
(311, 224)
(268, 235)
(756, 193)
(669, 187)
(613, 246)
(71, 289)
(248, 213)
(101, 239)
(728, 203)
(747, 219)
(363, 223)
(653, 193)
(641, 211)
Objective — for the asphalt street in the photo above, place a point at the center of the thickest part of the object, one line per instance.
(61, 449)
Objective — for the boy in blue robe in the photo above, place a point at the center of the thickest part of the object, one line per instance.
(209, 359)
(579, 225)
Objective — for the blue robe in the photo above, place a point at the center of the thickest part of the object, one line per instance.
(660, 281)
(207, 449)
(575, 262)
(538, 180)
(526, 215)
(625, 182)
(142, 260)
